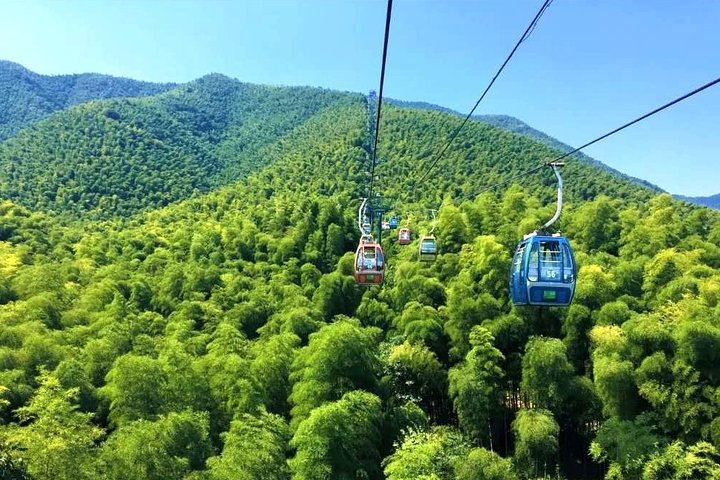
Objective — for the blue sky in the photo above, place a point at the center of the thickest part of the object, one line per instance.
(589, 66)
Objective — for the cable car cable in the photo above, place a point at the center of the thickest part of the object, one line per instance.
(650, 114)
(380, 97)
(524, 37)
(369, 264)
(602, 137)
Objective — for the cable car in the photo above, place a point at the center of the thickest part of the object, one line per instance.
(543, 271)
(369, 262)
(386, 225)
(428, 248)
(393, 222)
(404, 236)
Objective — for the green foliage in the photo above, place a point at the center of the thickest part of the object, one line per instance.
(415, 374)
(339, 440)
(191, 334)
(596, 225)
(341, 357)
(546, 373)
(482, 464)
(677, 461)
(254, 449)
(270, 371)
(135, 389)
(427, 455)
(168, 447)
(422, 324)
(626, 444)
(536, 434)
(475, 387)
(57, 441)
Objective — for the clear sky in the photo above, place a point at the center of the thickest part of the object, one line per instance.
(590, 65)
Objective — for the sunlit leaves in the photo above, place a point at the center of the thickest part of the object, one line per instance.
(536, 432)
(339, 440)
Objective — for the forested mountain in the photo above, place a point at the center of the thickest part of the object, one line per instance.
(110, 158)
(512, 124)
(713, 201)
(224, 337)
(26, 97)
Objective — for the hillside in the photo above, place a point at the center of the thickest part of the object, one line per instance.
(512, 124)
(481, 156)
(104, 159)
(223, 336)
(26, 97)
(112, 158)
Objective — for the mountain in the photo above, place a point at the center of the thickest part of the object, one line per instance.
(116, 157)
(26, 97)
(108, 158)
(481, 157)
(512, 124)
(713, 201)
(223, 335)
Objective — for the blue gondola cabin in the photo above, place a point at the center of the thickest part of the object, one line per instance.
(543, 271)
(428, 249)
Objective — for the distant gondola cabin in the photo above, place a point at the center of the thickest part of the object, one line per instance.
(369, 264)
(428, 248)
(404, 236)
(543, 271)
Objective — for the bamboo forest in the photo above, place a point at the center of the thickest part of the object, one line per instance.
(184, 295)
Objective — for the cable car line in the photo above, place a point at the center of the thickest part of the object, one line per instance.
(650, 114)
(524, 37)
(544, 270)
(380, 97)
(369, 265)
(602, 137)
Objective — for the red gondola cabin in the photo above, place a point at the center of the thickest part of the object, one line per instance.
(404, 236)
(369, 264)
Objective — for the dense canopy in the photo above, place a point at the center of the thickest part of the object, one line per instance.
(224, 336)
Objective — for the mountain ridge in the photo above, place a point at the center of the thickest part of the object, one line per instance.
(712, 201)
(120, 156)
(516, 125)
(187, 139)
(26, 96)
(35, 96)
